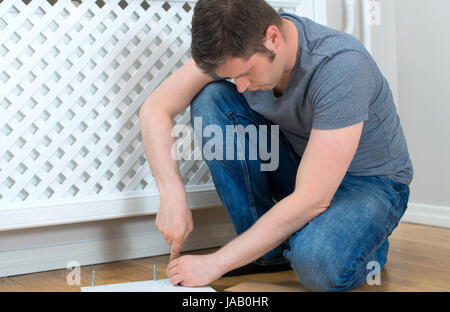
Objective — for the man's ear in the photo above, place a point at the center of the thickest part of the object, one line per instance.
(273, 38)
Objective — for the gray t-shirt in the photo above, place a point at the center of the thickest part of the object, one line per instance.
(335, 84)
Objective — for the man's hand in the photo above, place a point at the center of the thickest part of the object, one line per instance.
(193, 271)
(174, 221)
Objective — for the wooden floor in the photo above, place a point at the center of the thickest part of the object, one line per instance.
(419, 260)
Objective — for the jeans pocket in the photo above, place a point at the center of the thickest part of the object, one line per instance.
(402, 192)
(400, 188)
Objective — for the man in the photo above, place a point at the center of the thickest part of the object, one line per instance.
(341, 185)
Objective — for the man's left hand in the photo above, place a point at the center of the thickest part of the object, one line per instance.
(192, 271)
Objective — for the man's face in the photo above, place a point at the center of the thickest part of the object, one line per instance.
(257, 73)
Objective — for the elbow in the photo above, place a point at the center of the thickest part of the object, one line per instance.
(315, 205)
(322, 206)
(318, 208)
(323, 201)
(148, 110)
(143, 110)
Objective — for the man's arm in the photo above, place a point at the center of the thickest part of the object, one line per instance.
(323, 166)
(174, 218)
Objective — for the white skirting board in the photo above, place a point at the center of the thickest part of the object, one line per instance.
(427, 215)
(89, 252)
(206, 235)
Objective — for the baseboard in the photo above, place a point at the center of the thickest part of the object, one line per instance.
(205, 235)
(427, 215)
(54, 257)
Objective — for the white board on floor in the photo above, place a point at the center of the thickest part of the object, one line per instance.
(163, 285)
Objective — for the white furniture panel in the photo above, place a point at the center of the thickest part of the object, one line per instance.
(73, 76)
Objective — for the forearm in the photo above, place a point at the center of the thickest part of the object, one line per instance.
(286, 217)
(156, 127)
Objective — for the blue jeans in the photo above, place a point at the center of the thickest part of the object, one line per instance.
(332, 251)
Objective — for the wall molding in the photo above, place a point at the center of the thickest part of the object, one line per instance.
(57, 256)
(427, 214)
(132, 246)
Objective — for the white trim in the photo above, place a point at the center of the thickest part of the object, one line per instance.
(150, 244)
(313, 9)
(27, 215)
(427, 215)
(320, 11)
(367, 29)
(350, 9)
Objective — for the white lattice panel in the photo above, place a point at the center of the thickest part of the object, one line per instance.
(73, 76)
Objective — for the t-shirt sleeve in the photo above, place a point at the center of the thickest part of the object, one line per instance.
(341, 91)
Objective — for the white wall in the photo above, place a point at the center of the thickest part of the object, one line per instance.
(384, 45)
(423, 45)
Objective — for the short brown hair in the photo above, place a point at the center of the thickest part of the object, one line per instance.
(230, 28)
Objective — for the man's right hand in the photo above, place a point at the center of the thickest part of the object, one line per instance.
(173, 95)
(174, 221)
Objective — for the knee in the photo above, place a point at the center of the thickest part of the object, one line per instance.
(324, 270)
(204, 103)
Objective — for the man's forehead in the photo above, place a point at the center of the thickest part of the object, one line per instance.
(233, 67)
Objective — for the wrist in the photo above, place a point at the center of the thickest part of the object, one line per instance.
(221, 261)
(171, 190)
